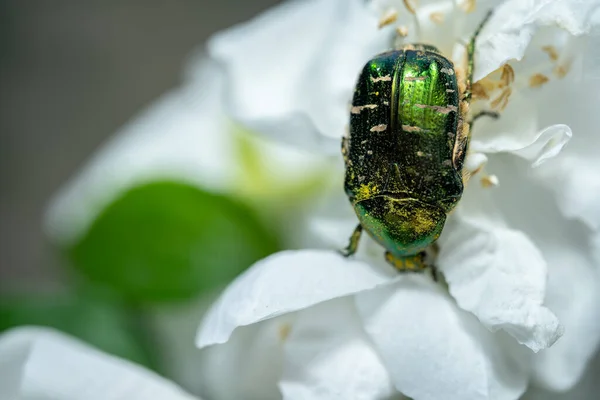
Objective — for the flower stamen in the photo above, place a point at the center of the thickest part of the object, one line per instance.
(437, 17)
(284, 331)
(389, 17)
(489, 181)
(561, 70)
(551, 51)
(402, 31)
(468, 6)
(537, 80)
(411, 6)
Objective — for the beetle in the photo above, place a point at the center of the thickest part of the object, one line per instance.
(406, 148)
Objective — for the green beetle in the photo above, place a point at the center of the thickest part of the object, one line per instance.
(406, 148)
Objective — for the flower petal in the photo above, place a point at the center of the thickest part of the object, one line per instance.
(574, 295)
(285, 282)
(573, 287)
(433, 350)
(253, 356)
(37, 363)
(574, 177)
(575, 181)
(588, 388)
(181, 137)
(497, 273)
(514, 23)
(291, 71)
(533, 146)
(329, 356)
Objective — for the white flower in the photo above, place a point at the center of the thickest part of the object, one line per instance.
(351, 328)
(42, 364)
(184, 136)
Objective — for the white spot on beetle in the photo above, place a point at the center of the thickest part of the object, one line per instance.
(410, 128)
(379, 128)
(385, 78)
(442, 110)
(358, 109)
(415, 78)
(448, 71)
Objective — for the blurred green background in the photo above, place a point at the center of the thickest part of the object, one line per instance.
(73, 72)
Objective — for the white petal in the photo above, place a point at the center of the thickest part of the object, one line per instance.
(514, 23)
(182, 136)
(433, 350)
(574, 295)
(291, 71)
(42, 364)
(531, 145)
(575, 181)
(285, 282)
(249, 365)
(574, 177)
(572, 291)
(497, 273)
(328, 356)
(587, 389)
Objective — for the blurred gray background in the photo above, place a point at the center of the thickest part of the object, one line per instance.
(71, 73)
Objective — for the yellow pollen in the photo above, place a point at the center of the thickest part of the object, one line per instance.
(366, 191)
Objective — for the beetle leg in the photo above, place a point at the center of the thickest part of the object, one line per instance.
(471, 56)
(354, 239)
(414, 263)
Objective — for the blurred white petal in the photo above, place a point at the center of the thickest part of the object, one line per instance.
(41, 364)
(434, 350)
(291, 71)
(574, 295)
(575, 180)
(514, 23)
(181, 136)
(586, 389)
(285, 282)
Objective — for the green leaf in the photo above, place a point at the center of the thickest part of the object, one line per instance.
(103, 324)
(169, 241)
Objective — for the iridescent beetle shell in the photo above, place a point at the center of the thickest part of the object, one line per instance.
(405, 151)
